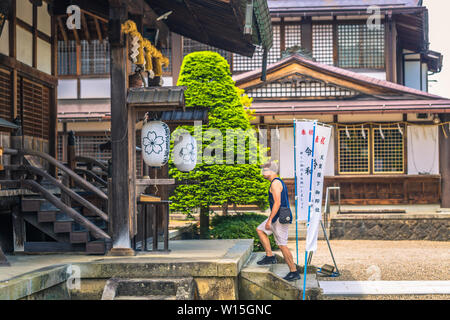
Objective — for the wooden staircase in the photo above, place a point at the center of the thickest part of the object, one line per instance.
(68, 235)
(71, 212)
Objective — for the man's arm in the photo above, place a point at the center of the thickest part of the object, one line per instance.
(276, 190)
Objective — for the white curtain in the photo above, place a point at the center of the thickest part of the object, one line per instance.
(423, 150)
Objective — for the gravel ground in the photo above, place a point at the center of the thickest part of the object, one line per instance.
(364, 260)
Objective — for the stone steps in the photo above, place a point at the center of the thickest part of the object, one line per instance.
(150, 289)
(267, 283)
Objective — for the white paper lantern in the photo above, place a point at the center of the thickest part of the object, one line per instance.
(185, 152)
(155, 143)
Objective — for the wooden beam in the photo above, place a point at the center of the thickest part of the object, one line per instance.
(77, 37)
(99, 31)
(12, 30)
(85, 27)
(34, 31)
(444, 162)
(3, 260)
(121, 190)
(200, 27)
(63, 31)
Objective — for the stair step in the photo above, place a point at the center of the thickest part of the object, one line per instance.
(47, 216)
(96, 247)
(79, 237)
(154, 297)
(63, 226)
(150, 289)
(31, 204)
(52, 247)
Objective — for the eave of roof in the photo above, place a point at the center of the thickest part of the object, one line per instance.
(339, 72)
(340, 107)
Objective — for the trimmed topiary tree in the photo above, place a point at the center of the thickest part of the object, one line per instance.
(209, 84)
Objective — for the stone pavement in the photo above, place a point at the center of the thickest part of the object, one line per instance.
(361, 288)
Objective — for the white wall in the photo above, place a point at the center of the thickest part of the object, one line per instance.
(24, 46)
(67, 89)
(329, 164)
(287, 153)
(412, 74)
(44, 56)
(44, 19)
(24, 10)
(423, 149)
(95, 88)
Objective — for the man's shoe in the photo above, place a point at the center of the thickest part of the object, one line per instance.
(267, 260)
(292, 276)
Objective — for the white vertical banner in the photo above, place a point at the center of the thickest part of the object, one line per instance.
(303, 156)
(322, 140)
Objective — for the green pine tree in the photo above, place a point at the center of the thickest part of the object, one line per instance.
(209, 84)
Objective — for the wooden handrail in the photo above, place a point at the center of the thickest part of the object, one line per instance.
(76, 178)
(80, 219)
(93, 161)
(72, 194)
(92, 175)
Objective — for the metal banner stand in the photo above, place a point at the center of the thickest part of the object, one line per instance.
(308, 258)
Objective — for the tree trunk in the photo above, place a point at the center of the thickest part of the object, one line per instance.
(225, 209)
(204, 222)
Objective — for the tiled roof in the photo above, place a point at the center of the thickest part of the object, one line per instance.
(343, 73)
(160, 96)
(275, 5)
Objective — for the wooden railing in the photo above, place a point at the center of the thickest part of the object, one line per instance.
(26, 183)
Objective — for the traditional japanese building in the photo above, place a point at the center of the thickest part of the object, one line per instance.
(334, 62)
(78, 54)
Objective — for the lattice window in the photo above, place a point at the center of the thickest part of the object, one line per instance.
(60, 149)
(388, 150)
(67, 58)
(322, 43)
(360, 47)
(95, 57)
(353, 151)
(36, 108)
(242, 64)
(5, 95)
(300, 89)
(293, 35)
(168, 53)
(190, 46)
(89, 146)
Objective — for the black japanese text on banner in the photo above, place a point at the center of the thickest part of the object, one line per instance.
(322, 139)
(303, 156)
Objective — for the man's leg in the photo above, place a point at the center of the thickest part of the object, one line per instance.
(288, 258)
(265, 242)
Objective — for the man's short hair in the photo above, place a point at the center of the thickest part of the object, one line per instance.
(272, 166)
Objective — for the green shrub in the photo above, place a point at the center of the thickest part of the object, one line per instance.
(240, 226)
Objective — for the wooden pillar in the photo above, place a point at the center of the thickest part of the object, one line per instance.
(18, 230)
(3, 260)
(307, 34)
(177, 56)
(444, 162)
(391, 50)
(120, 136)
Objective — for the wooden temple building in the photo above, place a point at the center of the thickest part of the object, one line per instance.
(390, 142)
(82, 203)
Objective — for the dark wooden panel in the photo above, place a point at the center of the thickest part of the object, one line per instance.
(79, 237)
(62, 226)
(36, 247)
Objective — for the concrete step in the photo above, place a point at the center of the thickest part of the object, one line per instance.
(160, 297)
(267, 283)
(147, 289)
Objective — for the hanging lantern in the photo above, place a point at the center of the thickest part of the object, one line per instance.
(185, 153)
(155, 143)
(4, 13)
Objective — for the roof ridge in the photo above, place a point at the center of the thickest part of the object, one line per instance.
(341, 72)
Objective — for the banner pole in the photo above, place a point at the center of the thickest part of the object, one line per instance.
(309, 209)
(295, 186)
